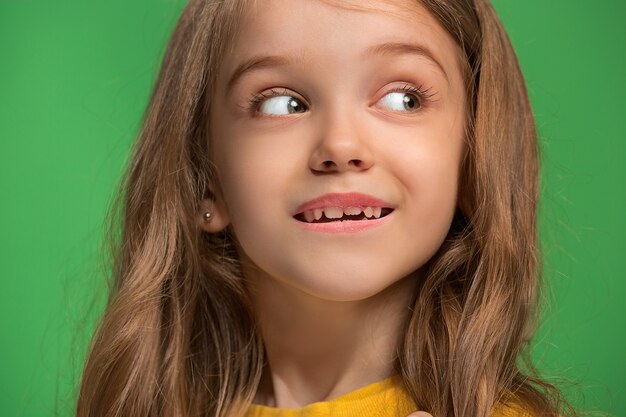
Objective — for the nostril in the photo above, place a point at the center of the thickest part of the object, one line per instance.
(356, 162)
(328, 164)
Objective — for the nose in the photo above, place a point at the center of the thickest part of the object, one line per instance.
(342, 146)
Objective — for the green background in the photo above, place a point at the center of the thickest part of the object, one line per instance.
(74, 80)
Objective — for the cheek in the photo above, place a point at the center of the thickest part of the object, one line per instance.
(255, 171)
(245, 179)
(430, 161)
(428, 168)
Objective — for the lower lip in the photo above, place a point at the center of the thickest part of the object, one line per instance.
(347, 226)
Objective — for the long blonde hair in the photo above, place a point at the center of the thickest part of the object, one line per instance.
(178, 337)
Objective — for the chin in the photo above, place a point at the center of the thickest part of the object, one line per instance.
(353, 286)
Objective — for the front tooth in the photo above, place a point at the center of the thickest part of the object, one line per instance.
(309, 216)
(377, 211)
(333, 212)
(368, 212)
(318, 213)
(352, 211)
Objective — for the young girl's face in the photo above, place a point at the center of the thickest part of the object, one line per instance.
(332, 111)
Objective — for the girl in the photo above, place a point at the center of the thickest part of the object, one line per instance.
(331, 210)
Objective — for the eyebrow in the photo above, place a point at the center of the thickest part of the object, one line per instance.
(390, 48)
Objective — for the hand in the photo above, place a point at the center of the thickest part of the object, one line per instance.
(419, 414)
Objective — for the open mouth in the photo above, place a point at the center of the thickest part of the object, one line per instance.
(336, 214)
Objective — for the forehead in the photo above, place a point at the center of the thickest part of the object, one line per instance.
(336, 28)
(274, 19)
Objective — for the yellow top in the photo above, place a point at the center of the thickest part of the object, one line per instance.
(386, 398)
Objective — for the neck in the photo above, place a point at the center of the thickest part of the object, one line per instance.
(320, 349)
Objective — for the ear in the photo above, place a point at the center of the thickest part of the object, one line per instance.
(218, 219)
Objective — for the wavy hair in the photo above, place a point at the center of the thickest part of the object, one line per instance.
(178, 337)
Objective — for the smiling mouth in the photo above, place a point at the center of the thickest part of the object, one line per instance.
(338, 214)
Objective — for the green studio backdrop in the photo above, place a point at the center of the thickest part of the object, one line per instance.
(75, 79)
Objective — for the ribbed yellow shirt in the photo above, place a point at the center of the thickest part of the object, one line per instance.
(386, 398)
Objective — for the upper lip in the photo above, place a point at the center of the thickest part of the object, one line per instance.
(342, 200)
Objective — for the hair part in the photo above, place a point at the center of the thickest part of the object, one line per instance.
(178, 337)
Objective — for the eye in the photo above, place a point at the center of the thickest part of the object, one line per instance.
(276, 103)
(281, 105)
(398, 101)
(406, 99)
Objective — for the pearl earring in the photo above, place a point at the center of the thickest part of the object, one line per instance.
(207, 216)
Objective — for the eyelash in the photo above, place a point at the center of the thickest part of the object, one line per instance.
(424, 96)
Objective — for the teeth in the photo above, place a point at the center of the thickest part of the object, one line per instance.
(333, 212)
(309, 216)
(352, 211)
(338, 212)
